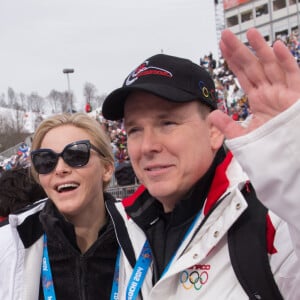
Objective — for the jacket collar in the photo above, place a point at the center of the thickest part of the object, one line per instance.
(33, 221)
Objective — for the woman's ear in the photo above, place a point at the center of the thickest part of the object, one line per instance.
(108, 172)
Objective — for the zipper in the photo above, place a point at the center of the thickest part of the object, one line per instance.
(82, 272)
(203, 222)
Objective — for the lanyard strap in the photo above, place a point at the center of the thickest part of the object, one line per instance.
(115, 286)
(47, 280)
(138, 274)
(184, 238)
(140, 269)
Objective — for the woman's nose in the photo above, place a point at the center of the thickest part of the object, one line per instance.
(62, 167)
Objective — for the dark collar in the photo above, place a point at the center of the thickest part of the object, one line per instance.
(31, 229)
(51, 221)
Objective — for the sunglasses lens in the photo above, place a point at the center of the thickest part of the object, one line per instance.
(44, 162)
(77, 155)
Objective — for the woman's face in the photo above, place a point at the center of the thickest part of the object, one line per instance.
(75, 191)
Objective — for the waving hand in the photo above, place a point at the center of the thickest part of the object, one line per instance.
(269, 76)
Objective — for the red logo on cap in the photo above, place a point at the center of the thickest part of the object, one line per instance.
(144, 70)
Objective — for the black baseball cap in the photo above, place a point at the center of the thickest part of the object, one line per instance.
(170, 77)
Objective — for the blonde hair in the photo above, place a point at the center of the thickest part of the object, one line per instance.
(79, 120)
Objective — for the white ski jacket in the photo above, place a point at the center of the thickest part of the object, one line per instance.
(201, 268)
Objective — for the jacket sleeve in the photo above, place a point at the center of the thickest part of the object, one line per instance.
(20, 267)
(270, 155)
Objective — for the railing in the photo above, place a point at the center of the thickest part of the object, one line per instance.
(10, 151)
(120, 192)
(14, 149)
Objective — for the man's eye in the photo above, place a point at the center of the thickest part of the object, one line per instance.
(167, 123)
(132, 131)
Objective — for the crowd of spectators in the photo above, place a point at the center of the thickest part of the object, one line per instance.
(293, 43)
(230, 96)
(18, 160)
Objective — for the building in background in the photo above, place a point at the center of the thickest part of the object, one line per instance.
(220, 21)
(273, 18)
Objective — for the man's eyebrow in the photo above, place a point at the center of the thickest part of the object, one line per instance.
(129, 123)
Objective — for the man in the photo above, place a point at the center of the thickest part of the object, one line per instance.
(174, 231)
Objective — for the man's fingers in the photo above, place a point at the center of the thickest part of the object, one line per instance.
(265, 54)
(288, 63)
(242, 62)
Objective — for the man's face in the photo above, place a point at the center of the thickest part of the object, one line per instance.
(170, 145)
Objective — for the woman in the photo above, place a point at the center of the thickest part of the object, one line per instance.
(63, 247)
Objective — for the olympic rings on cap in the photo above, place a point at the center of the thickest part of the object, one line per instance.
(206, 93)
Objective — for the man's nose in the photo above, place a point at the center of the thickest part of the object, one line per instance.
(151, 141)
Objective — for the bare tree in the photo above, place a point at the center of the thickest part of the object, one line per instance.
(2, 100)
(12, 97)
(55, 99)
(23, 101)
(65, 102)
(89, 92)
(19, 120)
(37, 121)
(36, 102)
(9, 135)
(2, 123)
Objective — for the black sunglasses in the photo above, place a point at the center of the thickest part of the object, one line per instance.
(76, 155)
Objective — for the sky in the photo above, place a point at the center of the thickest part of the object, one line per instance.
(102, 40)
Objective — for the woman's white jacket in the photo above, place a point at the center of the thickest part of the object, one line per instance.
(20, 266)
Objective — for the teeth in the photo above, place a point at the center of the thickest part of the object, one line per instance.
(66, 186)
(155, 169)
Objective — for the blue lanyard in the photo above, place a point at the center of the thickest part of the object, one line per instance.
(138, 274)
(115, 287)
(47, 280)
(140, 269)
(185, 236)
